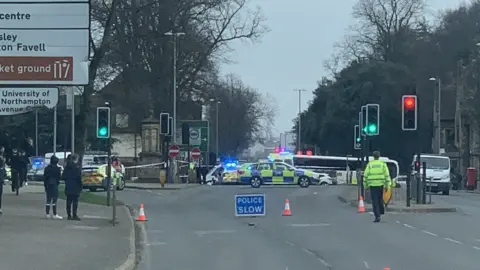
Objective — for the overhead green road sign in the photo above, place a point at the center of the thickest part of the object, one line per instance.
(198, 133)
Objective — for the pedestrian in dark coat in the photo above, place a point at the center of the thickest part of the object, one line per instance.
(51, 181)
(73, 186)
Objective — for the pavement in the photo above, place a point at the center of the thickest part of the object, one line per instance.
(349, 195)
(196, 229)
(30, 241)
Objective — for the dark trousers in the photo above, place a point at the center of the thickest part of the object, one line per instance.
(377, 201)
(72, 205)
(23, 176)
(52, 197)
(15, 180)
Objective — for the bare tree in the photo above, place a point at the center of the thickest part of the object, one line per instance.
(245, 115)
(144, 54)
(383, 25)
(100, 39)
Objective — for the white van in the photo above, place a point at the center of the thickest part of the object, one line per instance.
(437, 172)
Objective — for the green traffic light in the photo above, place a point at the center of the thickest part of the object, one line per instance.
(372, 128)
(358, 139)
(102, 131)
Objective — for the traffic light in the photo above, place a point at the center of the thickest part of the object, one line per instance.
(170, 126)
(277, 150)
(185, 133)
(103, 122)
(372, 126)
(417, 166)
(357, 139)
(363, 119)
(164, 127)
(409, 112)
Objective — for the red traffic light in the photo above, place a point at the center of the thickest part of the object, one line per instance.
(409, 103)
(277, 150)
(299, 152)
(309, 152)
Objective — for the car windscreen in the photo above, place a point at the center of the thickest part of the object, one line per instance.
(435, 163)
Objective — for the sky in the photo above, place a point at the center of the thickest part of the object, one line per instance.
(291, 55)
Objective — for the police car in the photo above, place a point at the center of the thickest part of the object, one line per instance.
(276, 173)
(224, 173)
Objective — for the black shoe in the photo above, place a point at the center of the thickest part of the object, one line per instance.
(376, 220)
(76, 218)
(69, 217)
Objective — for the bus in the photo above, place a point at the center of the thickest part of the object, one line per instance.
(344, 169)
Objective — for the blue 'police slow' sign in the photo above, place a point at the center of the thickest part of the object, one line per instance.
(249, 205)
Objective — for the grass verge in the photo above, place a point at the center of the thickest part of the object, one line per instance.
(87, 197)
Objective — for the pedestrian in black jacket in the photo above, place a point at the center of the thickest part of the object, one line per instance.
(73, 186)
(52, 175)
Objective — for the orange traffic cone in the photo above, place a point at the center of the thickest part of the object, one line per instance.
(141, 214)
(361, 205)
(386, 268)
(286, 210)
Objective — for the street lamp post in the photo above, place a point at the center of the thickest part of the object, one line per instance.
(299, 117)
(174, 35)
(436, 113)
(216, 127)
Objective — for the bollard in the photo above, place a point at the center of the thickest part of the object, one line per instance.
(409, 178)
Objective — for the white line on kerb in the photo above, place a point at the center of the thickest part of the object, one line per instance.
(453, 241)
(409, 226)
(429, 233)
(366, 265)
(477, 248)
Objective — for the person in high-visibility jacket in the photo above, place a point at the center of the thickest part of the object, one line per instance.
(377, 178)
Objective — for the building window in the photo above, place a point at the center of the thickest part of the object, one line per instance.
(448, 136)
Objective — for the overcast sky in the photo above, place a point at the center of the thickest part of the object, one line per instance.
(302, 35)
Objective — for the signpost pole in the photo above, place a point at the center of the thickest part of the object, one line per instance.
(55, 130)
(73, 121)
(36, 132)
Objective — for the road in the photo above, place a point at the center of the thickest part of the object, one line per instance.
(196, 229)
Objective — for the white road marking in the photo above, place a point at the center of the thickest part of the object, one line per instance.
(366, 265)
(315, 193)
(322, 261)
(452, 240)
(289, 243)
(398, 222)
(429, 233)
(86, 228)
(478, 240)
(94, 217)
(309, 225)
(158, 193)
(156, 244)
(202, 233)
(477, 248)
(308, 252)
(409, 226)
(154, 231)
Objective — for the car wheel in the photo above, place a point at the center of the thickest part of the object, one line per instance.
(304, 182)
(446, 192)
(255, 182)
(93, 189)
(324, 184)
